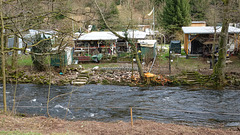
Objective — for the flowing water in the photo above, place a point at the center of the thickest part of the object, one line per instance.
(112, 103)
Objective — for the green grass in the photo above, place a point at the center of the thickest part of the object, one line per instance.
(18, 133)
(23, 60)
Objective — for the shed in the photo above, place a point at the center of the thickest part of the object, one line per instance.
(62, 59)
(94, 43)
(148, 48)
(198, 40)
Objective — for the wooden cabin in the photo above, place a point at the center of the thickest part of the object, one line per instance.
(199, 40)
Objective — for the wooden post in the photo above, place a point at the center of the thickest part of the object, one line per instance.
(169, 60)
(132, 69)
(238, 39)
(186, 43)
(131, 117)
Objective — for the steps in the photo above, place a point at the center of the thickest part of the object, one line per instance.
(82, 78)
(192, 78)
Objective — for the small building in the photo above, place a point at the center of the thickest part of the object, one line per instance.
(148, 49)
(122, 46)
(64, 58)
(199, 40)
(94, 43)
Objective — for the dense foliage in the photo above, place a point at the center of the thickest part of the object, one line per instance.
(176, 14)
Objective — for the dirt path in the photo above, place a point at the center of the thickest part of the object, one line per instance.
(43, 125)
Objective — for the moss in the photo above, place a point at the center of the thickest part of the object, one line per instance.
(105, 82)
(64, 82)
(42, 77)
(38, 81)
(83, 75)
(92, 82)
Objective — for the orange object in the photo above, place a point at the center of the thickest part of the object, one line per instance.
(149, 75)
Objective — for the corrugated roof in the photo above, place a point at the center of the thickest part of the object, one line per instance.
(107, 35)
(136, 34)
(207, 30)
(103, 35)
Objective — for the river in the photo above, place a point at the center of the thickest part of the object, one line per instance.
(182, 105)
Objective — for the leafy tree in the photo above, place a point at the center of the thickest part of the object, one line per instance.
(176, 14)
(158, 2)
(43, 47)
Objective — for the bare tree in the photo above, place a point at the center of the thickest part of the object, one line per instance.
(133, 47)
(213, 17)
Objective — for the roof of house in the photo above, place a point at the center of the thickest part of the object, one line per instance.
(107, 35)
(208, 30)
(103, 35)
(136, 34)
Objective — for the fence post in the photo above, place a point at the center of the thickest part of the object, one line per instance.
(131, 117)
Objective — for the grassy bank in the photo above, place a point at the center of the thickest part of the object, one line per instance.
(13, 125)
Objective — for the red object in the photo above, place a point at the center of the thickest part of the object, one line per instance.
(84, 58)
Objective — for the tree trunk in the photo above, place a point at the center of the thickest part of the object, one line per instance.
(3, 60)
(219, 69)
(134, 51)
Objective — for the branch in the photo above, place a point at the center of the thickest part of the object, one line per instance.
(115, 33)
(38, 42)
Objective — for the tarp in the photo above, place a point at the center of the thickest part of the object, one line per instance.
(208, 30)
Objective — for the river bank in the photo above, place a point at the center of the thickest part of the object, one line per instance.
(119, 76)
(192, 71)
(42, 125)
